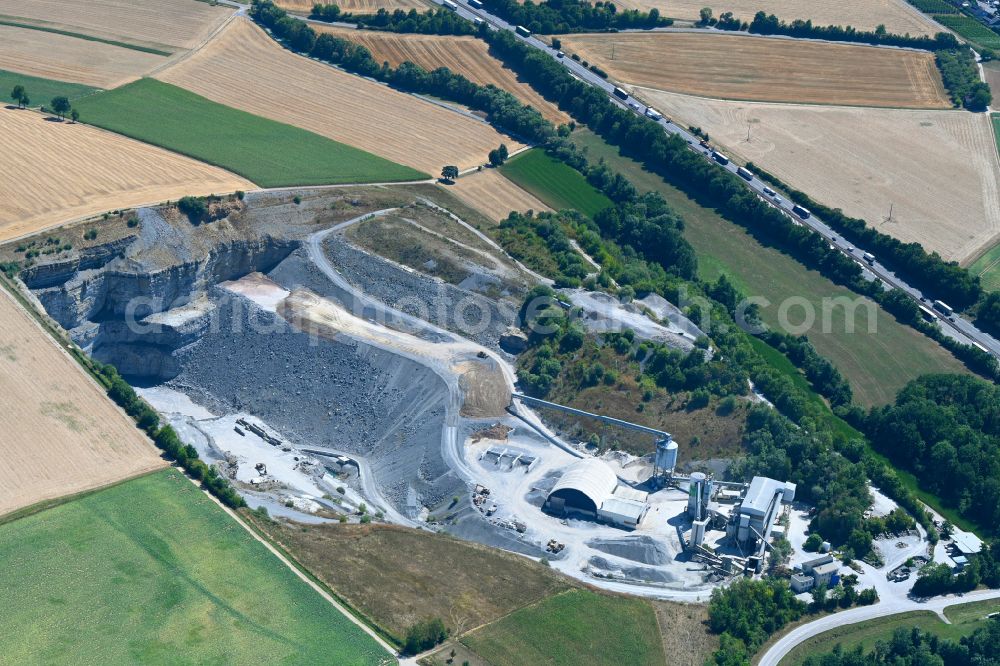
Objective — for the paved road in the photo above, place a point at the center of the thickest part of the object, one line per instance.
(958, 328)
(779, 650)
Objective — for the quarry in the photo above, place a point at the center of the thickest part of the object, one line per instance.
(332, 377)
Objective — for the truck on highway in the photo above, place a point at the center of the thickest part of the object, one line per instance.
(620, 94)
(744, 173)
(450, 5)
(654, 114)
(521, 30)
(868, 256)
(943, 308)
(928, 314)
(719, 157)
(801, 212)
(476, 4)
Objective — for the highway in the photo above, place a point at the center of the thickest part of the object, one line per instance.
(957, 327)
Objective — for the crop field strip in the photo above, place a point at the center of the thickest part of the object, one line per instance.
(292, 89)
(153, 569)
(494, 195)
(970, 29)
(864, 160)
(164, 25)
(56, 172)
(557, 184)
(896, 15)
(60, 433)
(876, 365)
(467, 56)
(743, 67)
(271, 154)
(40, 90)
(358, 6)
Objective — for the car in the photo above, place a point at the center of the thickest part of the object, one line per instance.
(769, 192)
(777, 199)
(634, 106)
(560, 54)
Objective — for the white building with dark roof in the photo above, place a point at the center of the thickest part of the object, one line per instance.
(589, 488)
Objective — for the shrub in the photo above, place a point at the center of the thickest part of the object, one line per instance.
(424, 635)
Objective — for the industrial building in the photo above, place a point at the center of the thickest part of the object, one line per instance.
(822, 570)
(752, 523)
(590, 489)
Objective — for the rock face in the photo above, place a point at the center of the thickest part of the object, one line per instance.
(513, 341)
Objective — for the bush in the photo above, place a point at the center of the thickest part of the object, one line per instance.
(424, 635)
(193, 207)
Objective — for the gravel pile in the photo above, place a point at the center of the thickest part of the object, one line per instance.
(642, 549)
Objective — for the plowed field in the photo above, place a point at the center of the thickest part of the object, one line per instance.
(489, 192)
(357, 6)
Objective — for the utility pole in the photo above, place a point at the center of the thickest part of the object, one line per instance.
(889, 219)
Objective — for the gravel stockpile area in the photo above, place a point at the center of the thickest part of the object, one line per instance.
(642, 549)
(472, 315)
(325, 393)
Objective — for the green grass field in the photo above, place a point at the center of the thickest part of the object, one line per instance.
(40, 91)
(556, 184)
(934, 6)
(876, 364)
(153, 571)
(970, 28)
(964, 618)
(576, 627)
(269, 153)
(995, 117)
(987, 267)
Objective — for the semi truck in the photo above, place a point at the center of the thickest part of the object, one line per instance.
(801, 211)
(943, 308)
(476, 4)
(620, 94)
(744, 173)
(654, 114)
(521, 30)
(450, 5)
(868, 256)
(719, 157)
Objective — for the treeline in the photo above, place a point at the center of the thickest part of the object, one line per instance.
(504, 110)
(438, 21)
(945, 429)
(982, 569)
(928, 272)
(166, 437)
(555, 17)
(824, 377)
(769, 24)
(913, 647)
(960, 75)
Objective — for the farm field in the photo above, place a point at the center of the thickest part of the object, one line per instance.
(467, 56)
(269, 153)
(357, 6)
(558, 185)
(775, 70)
(938, 169)
(53, 56)
(575, 627)
(397, 576)
(876, 365)
(61, 434)
(56, 172)
(964, 619)
(987, 267)
(494, 195)
(168, 25)
(292, 89)
(41, 91)
(153, 571)
(971, 29)
(896, 15)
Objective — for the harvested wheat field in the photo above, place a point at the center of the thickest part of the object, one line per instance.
(61, 434)
(897, 16)
(346, 108)
(493, 195)
(939, 169)
(53, 56)
(54, 172)
(744, 67)
(357, 6)
(468, 56)
(166, 25)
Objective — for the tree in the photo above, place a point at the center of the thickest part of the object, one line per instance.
(424, 635)
(706, 15)
(74, 115)
(498, 156)
(19, 95)
(449, 173)
(813, 542)
(61, 105)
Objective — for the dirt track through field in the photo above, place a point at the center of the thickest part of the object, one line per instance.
(59, 433)
(53, 172)
(938, 169)
(243, 68)
(468, 56)
(167, 25)
(358, 6)
(52, 56)
(898, 17)
(754, 68)
(493, 195)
